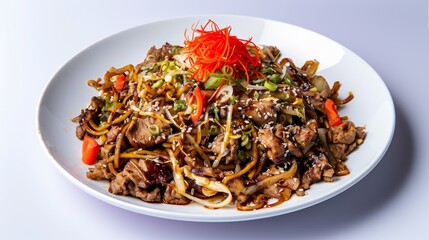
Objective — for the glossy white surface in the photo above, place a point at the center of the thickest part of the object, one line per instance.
(37, 202)
(67, 93)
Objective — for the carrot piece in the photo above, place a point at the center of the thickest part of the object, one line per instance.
(332, 114)
(90, 150)
(120, 82)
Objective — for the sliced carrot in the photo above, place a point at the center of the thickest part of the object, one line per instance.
(90, 150)
(120, 82)
(332, 114)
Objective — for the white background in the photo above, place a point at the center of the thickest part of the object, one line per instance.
(37, 202)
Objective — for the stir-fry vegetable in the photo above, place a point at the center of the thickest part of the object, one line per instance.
(120, 82)
(90, 150)
(332, 114)
(198, 101)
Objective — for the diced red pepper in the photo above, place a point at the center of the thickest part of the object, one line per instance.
(120, 82)
(90, 150)
(332, 114)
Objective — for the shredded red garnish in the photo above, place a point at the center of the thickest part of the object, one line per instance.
(215, 48)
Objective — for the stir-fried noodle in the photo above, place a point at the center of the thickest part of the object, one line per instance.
(218, 121)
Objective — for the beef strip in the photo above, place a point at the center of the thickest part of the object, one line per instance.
(142, 179)
(231, 148)
(306, 136)
(155, 54)
(338, 150)
(80, 132)
(90, 113)
(192, 160)
(112, 133)
(96, 104)
(147, 195)
(100, 171)
(345, 133)
(260, 112)
(237, 188)
(139, 136)
(284, 134)
(275, 149)
(360, 132)
(172, 197)
(319, 169)
(314, 99)
(292, 183)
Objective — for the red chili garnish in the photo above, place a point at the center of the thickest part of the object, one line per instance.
(215, 48)
(332, 114)
(199, 99)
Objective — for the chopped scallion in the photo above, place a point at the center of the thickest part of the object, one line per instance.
(213, 130)
(179, 105)
(154, 130)
(213, 82)
(270, 86)
(241, 155)
(189, 110)
(274, 77)
(158, 84)
(244, 140)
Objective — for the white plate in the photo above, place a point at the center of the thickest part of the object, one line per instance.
(67, 93)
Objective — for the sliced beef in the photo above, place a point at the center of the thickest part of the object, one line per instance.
(292, 183)
(339, 150)
(319, 169)
(230, 150)
(156, 54)
(172, 197)
(80, 132)
(88, 114)
(96, 104)
(192, 160)
(312, 175)
(360, 132)
(315, 100)
(106, 151)
(260, 112)
(285, 134)
(344, 133)
(139, 136)
(147, 195)
(112, 133)
(272, 191)
(275, 149)
(142, 179)
(100, 171)
(306, 136)
(341, 169)
(237, 188)
(270, 54)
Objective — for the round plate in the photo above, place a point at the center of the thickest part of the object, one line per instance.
(67, 93)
